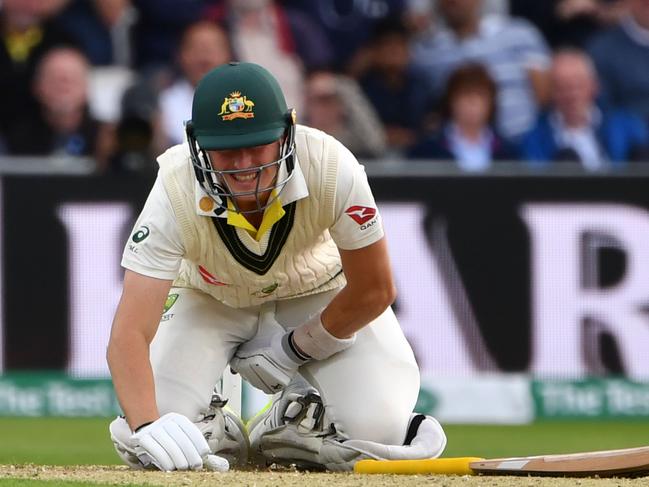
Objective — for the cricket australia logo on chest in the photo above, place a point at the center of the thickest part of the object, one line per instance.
(237, 106)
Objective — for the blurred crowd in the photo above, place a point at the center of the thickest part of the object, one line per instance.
(472, 81)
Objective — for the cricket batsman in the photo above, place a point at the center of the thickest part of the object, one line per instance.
(260, 249)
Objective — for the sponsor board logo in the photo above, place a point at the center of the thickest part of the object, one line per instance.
(361, 215)
(427, 401)
(591, 398)
(209, 278)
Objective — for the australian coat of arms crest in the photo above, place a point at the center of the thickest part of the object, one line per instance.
(236, 106)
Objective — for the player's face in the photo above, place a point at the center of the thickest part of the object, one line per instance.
(248, 160)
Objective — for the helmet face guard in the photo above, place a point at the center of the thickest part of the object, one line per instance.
(239, 106)
(214, 182)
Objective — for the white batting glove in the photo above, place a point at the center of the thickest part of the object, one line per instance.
(171, 442)
(268, 361)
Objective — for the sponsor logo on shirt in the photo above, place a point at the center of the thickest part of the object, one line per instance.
(141, 234)
(266, 291)
(209, 278)
(362, 215)
(171, 300)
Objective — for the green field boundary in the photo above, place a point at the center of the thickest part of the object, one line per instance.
(55, 394)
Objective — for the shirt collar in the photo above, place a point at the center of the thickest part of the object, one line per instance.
(635, 31)
(594, 120)
(295, 189)
(272, 214)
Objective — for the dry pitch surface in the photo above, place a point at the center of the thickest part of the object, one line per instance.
(122, 475)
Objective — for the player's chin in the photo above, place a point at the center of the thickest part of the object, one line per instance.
(253, 200)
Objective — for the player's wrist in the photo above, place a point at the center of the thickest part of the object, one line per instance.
(292, 350)
(315, 341)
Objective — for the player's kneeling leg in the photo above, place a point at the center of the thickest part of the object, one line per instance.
(295, 430)
(222, 428)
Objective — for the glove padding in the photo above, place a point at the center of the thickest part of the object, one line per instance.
(295, 431)
(224, 431)
(171, 442)
(268, 361)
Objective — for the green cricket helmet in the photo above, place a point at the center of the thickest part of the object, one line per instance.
(240, 105)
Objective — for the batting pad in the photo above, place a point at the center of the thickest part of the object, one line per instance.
(443, 466)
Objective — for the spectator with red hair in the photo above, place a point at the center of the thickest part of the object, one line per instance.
(467, 134)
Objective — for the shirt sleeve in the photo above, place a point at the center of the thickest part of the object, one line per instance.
(530, 47)
(155, 247)
(357, 222)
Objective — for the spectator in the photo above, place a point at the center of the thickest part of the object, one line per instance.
(569, 22)
(467, 135)
(26, 34)
(575, 129)
(261, 33)
(349, 25)
(335, 104)
(103, 28)
(62, 126)
(394, 86)
(512, 49)
(204, 45)
(160, 24)
(621, 57)
(137, 134)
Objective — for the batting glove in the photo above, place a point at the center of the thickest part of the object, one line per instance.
(172, 442)
(269, 361)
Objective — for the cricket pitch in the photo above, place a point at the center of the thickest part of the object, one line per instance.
(118, 475)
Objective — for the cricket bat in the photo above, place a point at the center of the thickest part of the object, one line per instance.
(620, 463)
(608, 463)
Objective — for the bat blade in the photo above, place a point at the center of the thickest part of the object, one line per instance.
(607, 463)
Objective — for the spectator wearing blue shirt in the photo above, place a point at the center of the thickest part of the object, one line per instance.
(576, 129)
(394, 86)
(513, 50)
(348, 24)
(621, 57)
(103, 28)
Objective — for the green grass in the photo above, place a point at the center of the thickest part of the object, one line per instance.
(68, 441)
(544, 438)
(56, 441)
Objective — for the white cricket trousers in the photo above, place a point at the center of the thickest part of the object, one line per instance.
(369, 390)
